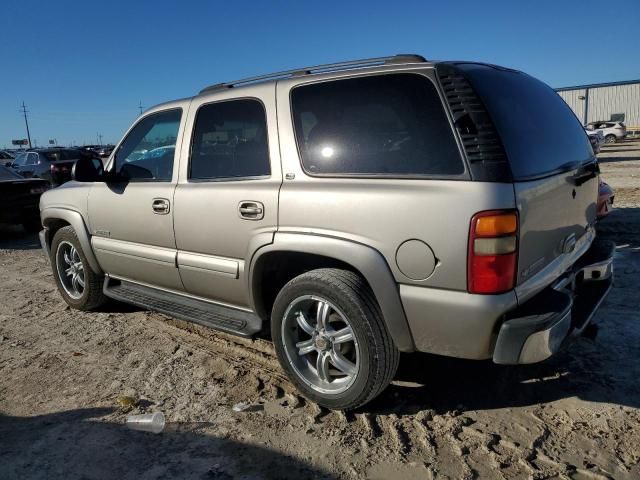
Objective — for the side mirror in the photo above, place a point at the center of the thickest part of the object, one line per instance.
(87, 170)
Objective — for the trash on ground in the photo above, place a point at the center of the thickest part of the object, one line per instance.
(126, 403)
(148, 422)
(247, 407)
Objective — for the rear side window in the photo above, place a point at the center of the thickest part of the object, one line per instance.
(386, 125)
(230, 141)
(540, 133)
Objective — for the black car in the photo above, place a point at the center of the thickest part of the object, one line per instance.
(19, 198)
(51, 164)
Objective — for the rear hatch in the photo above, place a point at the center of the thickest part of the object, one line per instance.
(552, 166)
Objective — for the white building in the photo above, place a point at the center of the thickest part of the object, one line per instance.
(602, 100)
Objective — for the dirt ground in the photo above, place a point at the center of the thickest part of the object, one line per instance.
(576, 416)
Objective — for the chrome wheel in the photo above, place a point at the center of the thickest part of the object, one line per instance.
(610, 139)
(320, 344)
(70, 269)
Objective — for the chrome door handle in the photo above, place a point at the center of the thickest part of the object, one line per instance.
(160, 206)
(250, 210)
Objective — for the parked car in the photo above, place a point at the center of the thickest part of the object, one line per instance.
(51, 164)
(606, 196)
(104, 151)
(596, 138)
(612, 131)
(5, 158)
(19, 199)
(391, 205)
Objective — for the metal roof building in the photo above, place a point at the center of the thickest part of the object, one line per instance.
(600, 101)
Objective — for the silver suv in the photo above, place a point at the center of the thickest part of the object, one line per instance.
(612, 131)
(358, 210)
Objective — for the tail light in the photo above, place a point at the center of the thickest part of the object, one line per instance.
(493, 251)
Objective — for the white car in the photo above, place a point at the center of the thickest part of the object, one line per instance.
(612, 131)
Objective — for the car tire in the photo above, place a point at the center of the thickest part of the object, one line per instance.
(610, 139)
(79, 285)
(331, 339)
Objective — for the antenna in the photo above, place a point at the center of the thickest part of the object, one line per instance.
(24, 111)
(140, 107)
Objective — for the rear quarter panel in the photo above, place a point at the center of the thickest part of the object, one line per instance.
(384, 213)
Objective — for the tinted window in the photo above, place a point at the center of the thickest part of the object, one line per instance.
(147, 152)
(230, 141)
(389, 125)
(540, 133)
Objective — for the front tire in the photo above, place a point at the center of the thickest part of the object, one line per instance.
(331, 339)
(79, 285)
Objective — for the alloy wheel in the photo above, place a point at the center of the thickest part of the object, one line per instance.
(320, 344)
(70, 269)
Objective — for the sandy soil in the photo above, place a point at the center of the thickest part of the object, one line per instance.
(576, 416)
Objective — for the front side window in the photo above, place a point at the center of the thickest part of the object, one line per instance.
(148, 152)
(386, 125)
(230, 141)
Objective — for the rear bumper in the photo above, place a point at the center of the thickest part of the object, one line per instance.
(538, 328)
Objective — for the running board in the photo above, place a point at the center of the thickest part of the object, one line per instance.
(203, 313)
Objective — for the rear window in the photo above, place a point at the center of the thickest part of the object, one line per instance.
(57, 155)
(540, 133)
(387, 125)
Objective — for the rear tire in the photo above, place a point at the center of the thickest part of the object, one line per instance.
(331, 339)
(610, 139)
(79, 285)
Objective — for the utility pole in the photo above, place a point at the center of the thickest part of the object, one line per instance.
(140, 107)
(24, 112)
(99, 137)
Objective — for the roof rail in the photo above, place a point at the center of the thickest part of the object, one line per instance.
(329, 67)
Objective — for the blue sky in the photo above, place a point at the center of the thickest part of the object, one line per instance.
(82, 67)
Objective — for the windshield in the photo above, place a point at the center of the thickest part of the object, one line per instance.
(540, 133)
(20, 160)
(6, 174)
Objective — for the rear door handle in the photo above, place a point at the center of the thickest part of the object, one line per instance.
(251, 210)
(160, 206)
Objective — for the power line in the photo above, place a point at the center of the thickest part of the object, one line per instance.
(24, 112)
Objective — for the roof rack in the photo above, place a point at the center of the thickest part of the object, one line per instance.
(329, 67)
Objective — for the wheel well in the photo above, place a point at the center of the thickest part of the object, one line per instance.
(275, 269)
(53, 225)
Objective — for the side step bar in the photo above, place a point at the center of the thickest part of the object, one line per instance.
(203, 313)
